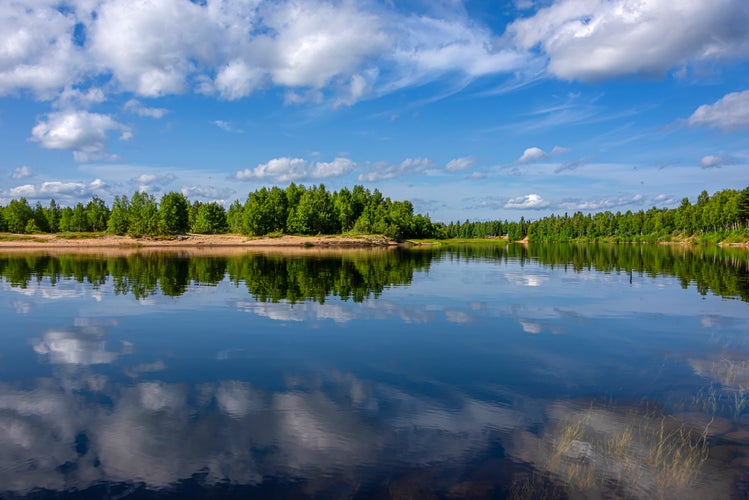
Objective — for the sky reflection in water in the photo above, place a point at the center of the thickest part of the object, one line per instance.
(445, 372)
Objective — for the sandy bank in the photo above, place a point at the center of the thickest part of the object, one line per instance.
(189, 241)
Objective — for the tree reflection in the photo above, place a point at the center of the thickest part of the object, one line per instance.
(357, 275)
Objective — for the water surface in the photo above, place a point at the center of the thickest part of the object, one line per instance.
(479, 371)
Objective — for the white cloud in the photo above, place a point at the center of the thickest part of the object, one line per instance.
(152, 47)
(429, 46)
(600, 204)
(314, 48)
(276, 170)
(21, 172)
(207, 192)
(80, 131)
(729, 113)
(529, 202)
(384, 171)
(227, 127)
(599, 39)
(36, 49)
(336, 168)
(24, 191)
(559, 150)
(65, 189)
(713, 161)
(532, 154)
(149, 183)
(237, 79)
(136, 107)
(316, 41)
(459, 164)
(145, 178)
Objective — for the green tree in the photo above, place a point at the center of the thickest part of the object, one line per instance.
(742, 208)
(235, 218)
(97, 214)
(211, 219)
(17, 215)
(52, 214)
(79, 221)
(174, 214)
(143, 215)
(118, 218)
(41, 225)
(66, 219)
(314, 214)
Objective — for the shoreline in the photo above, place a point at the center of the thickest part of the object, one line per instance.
(190, 241)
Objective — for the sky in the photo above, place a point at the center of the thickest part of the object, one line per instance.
(475, 110)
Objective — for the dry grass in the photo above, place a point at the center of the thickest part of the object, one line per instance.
(646, 456)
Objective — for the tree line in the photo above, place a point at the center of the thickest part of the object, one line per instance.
(294, 210)
(315, 210)
(721, 216)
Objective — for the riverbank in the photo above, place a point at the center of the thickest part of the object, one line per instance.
(185, 241)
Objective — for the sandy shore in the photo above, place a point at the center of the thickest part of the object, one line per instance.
(189, 241)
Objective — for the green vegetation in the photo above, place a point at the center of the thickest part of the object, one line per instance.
(357, 275)
(722, 217)
(269, 278)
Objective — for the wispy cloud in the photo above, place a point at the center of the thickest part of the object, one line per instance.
(384, 171)
(227, 127)
(21, 172)
(730, 113)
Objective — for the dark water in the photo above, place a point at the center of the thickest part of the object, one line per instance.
(539, 372)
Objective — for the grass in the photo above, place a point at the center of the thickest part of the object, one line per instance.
(18, 237)
(642, 454)
(459, 241)
(72, 235)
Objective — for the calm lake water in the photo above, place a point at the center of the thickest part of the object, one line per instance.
(480, 371)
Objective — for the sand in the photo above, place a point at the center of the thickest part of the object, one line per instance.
(52, 242)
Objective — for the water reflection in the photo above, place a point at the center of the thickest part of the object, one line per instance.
(357, 275)
(476, 372)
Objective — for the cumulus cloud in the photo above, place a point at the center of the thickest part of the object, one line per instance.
(713, 161)
(207, 192)
(600, 204)
(277, 170)
(597, 39)
(80, 131)
(532, 154)
(36, 49)
(23, 191)
(528, 202)
(336, 168)
(313, 48)
(459, 164)
(383, 171)
(293, 169)
(136, 107)
(730, 113)
(21, 172)
(65, 189)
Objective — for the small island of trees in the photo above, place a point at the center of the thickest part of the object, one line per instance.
(314, 210)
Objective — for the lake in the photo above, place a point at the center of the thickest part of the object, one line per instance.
(540, 371)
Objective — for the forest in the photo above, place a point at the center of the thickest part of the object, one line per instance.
(302, 210)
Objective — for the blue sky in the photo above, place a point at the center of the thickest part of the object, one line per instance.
(472, 110)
